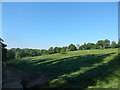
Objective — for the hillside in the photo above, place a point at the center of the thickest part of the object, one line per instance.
(76, 69)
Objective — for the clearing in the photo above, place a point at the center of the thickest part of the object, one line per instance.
(76, 69)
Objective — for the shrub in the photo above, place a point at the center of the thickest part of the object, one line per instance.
(72, 47)
(63, 51)
(10, 54)
(18, 55)
(45, 52)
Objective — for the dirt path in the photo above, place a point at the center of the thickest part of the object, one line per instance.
(13, 78)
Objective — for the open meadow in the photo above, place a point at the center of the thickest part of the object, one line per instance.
(59, 45)
(76, 69)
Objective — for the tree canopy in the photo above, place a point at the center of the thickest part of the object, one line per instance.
(72, 47)
(19, 53)
(3, 49)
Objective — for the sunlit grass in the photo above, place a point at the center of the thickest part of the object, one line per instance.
(80, 69)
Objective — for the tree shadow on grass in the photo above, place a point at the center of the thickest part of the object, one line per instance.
(59, 67)
(71, 64)
(90, 77)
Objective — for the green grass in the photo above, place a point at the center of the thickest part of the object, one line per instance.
(77, 69)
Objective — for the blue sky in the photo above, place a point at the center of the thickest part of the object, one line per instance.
(42, 25)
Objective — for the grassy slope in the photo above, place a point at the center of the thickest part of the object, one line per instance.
(81, 69)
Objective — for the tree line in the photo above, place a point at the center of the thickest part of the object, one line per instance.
(17, 53)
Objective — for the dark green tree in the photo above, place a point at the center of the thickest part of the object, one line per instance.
(3, 50)
(18, 55)
(80, 48)
(38, 52)
(113, 44)
(45, 52)
(100, 43)
(72, 47)
(65, 48)
(18, 50)
(24, 52)
(57, 49)
(106, 43)
(51, 50)
(89, 46)
(96, 46)
(63, 51)
(10, 54)
(32, 52)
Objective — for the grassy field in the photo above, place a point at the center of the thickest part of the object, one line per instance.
(77, 69)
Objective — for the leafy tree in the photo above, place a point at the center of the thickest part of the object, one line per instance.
(14, 50)
(42, 50)
(103, 44)
(106, 43)
(32, 52)
(24, 52)
(38, 52)
(57, 49)
(113, 44)
(96, 46)
(100, 43)
(45, 52)
(89, 46)
(18, 50)
(3, 50)
(72, 47)
(81, 47)
(10, 54)
(35, 52)
(18, 55)
(1, 40)
(51, 50)
(84, 46)
(65, 48)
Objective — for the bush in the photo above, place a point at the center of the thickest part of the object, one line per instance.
(63, 51)
(10, 54)
(18, 55)
(45, 52)
(72, 47)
